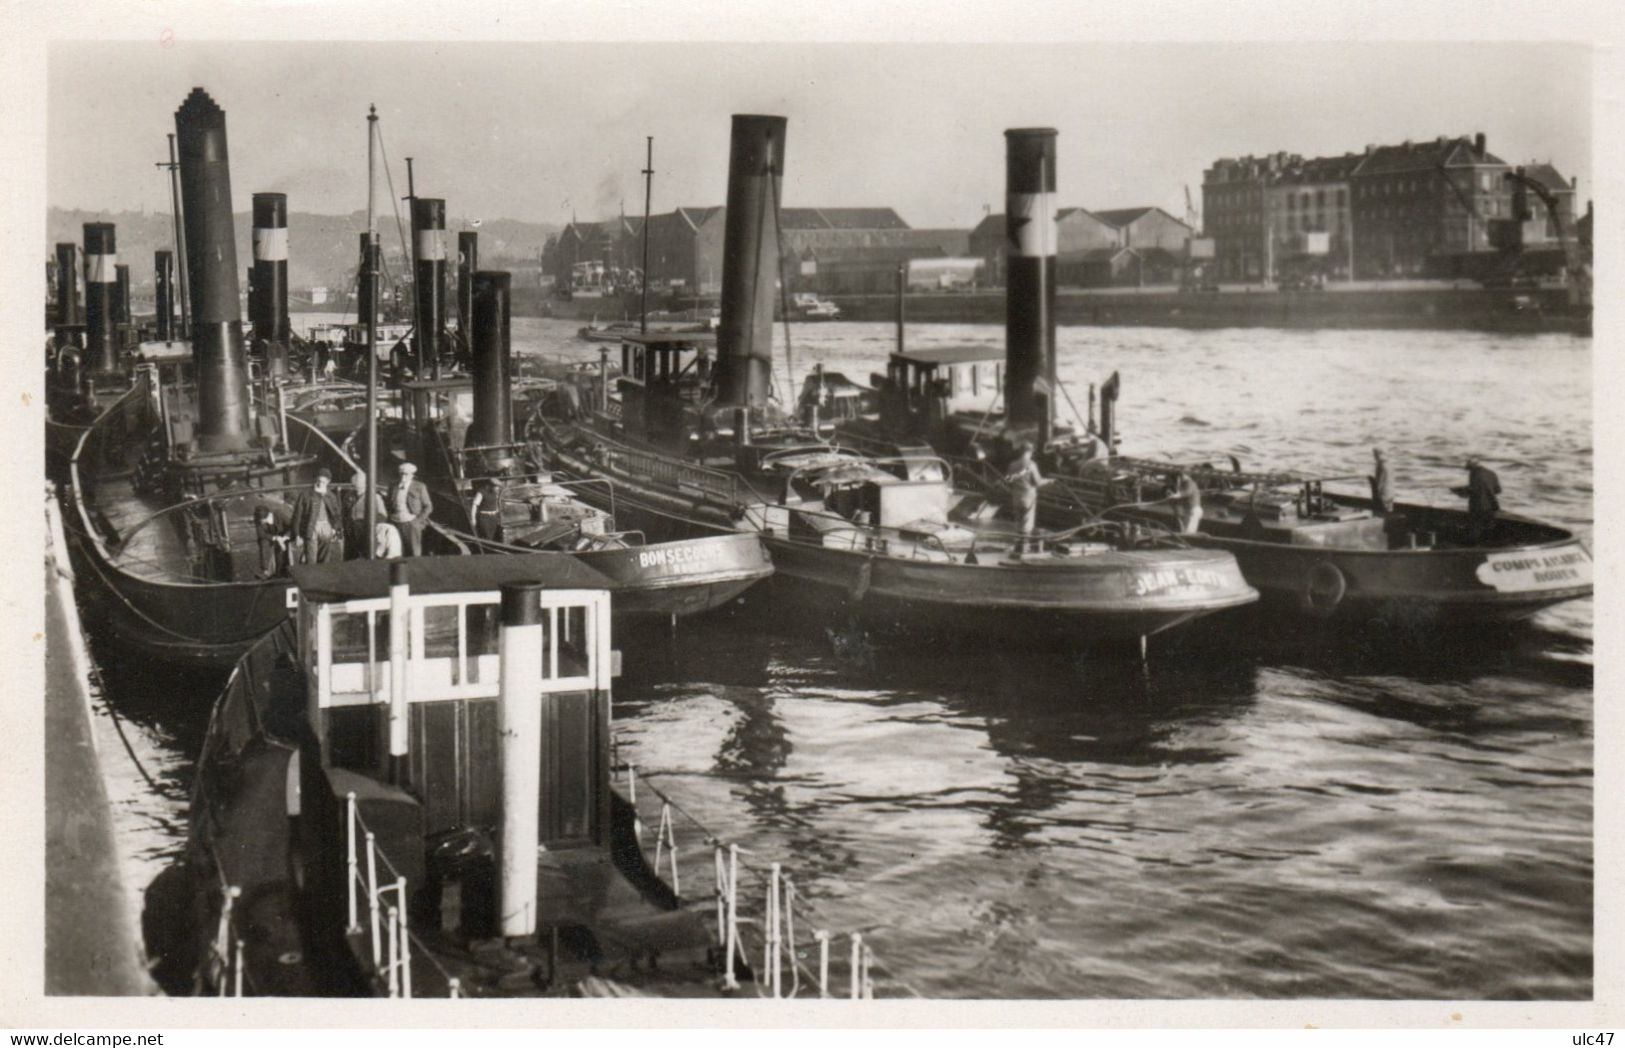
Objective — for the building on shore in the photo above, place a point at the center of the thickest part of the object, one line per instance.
(830, 250)
(1116, 247)
(1416, 209)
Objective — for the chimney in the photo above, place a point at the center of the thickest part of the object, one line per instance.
(101, 297)
(219, 359)
(429, 232)
(468, 261)
(490, 345)
(750, 261)
(364, 305)
(68, 311)
(1479, 144)
(268, 299)
(163, 283)
(1029, 318)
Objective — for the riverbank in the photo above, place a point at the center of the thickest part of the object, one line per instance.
(1418, 305)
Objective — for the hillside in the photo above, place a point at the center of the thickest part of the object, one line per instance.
(322, 249)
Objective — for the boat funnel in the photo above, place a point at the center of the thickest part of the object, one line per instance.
(468, 260)
(268, 287)
(163, 283)
(1029, 323)
(750, 262)
(221, 364)
(520, 656)
(429, 234)
(68, 310)
(365, 306)
(493, 411)
(121, 295)
(101, 298)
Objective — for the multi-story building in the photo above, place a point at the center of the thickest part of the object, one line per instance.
(1307, 217)
(1234, 212)
(1418, 204)
(594, 254)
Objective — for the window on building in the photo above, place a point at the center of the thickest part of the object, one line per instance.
(1320, 198)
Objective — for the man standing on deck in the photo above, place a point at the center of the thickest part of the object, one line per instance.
(1188, 505)
(1480, 491)
(409, 508)
(1024, 480)
(1382, 485)
(356, 539)
(486, 510)
(317, 514)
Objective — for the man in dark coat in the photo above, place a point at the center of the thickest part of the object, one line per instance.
(318, 521)
(272, 523)
(1480, 491)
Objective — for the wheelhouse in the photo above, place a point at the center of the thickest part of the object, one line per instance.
(661, 375)
(437, 737)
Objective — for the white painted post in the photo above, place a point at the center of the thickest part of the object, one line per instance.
(406, 942)
(392, 917)
(399, 638)
(350, 861)
(856, 963)
(520, 709)
(728, 980)
(822, 936)
(372, 899)
(774, 943)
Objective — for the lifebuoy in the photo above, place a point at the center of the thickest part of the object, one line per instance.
(1324, 589)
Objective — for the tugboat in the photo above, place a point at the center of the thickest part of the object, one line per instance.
(95, 342)
(692, 452)
(405, 791)
(1310, 551)
(168, 480)
(459, 432)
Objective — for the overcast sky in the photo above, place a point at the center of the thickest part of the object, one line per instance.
(540, 131)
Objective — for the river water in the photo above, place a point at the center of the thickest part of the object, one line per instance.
(1269, 813)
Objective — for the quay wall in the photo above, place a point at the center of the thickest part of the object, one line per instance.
(1424, 307)
(92, 942)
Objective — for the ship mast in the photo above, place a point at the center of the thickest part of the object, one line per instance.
(369, 274)
(174, 169)
(648, 191)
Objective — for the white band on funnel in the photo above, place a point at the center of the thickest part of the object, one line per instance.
(271, 245)
(431, 245)
(101, 269)
(1031, 219)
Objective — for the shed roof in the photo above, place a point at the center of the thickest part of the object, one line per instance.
(361, 579)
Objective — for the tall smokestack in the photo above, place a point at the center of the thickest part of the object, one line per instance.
(268, 284)
(364, 305)
(490, 341)
(468, 260)
(163, 283)
(1029, 324)
(270, 319)
(68, 311)
(750, 261)
(121, 294)
(429, 233)
(101, 297)
(211, 250)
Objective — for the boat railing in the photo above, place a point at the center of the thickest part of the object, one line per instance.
(370, 876)
(672, 473)
(764, 924)
(223, 962)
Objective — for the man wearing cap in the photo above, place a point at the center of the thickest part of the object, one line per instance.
(1382, 485)
(409, 509)
(317, 520)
